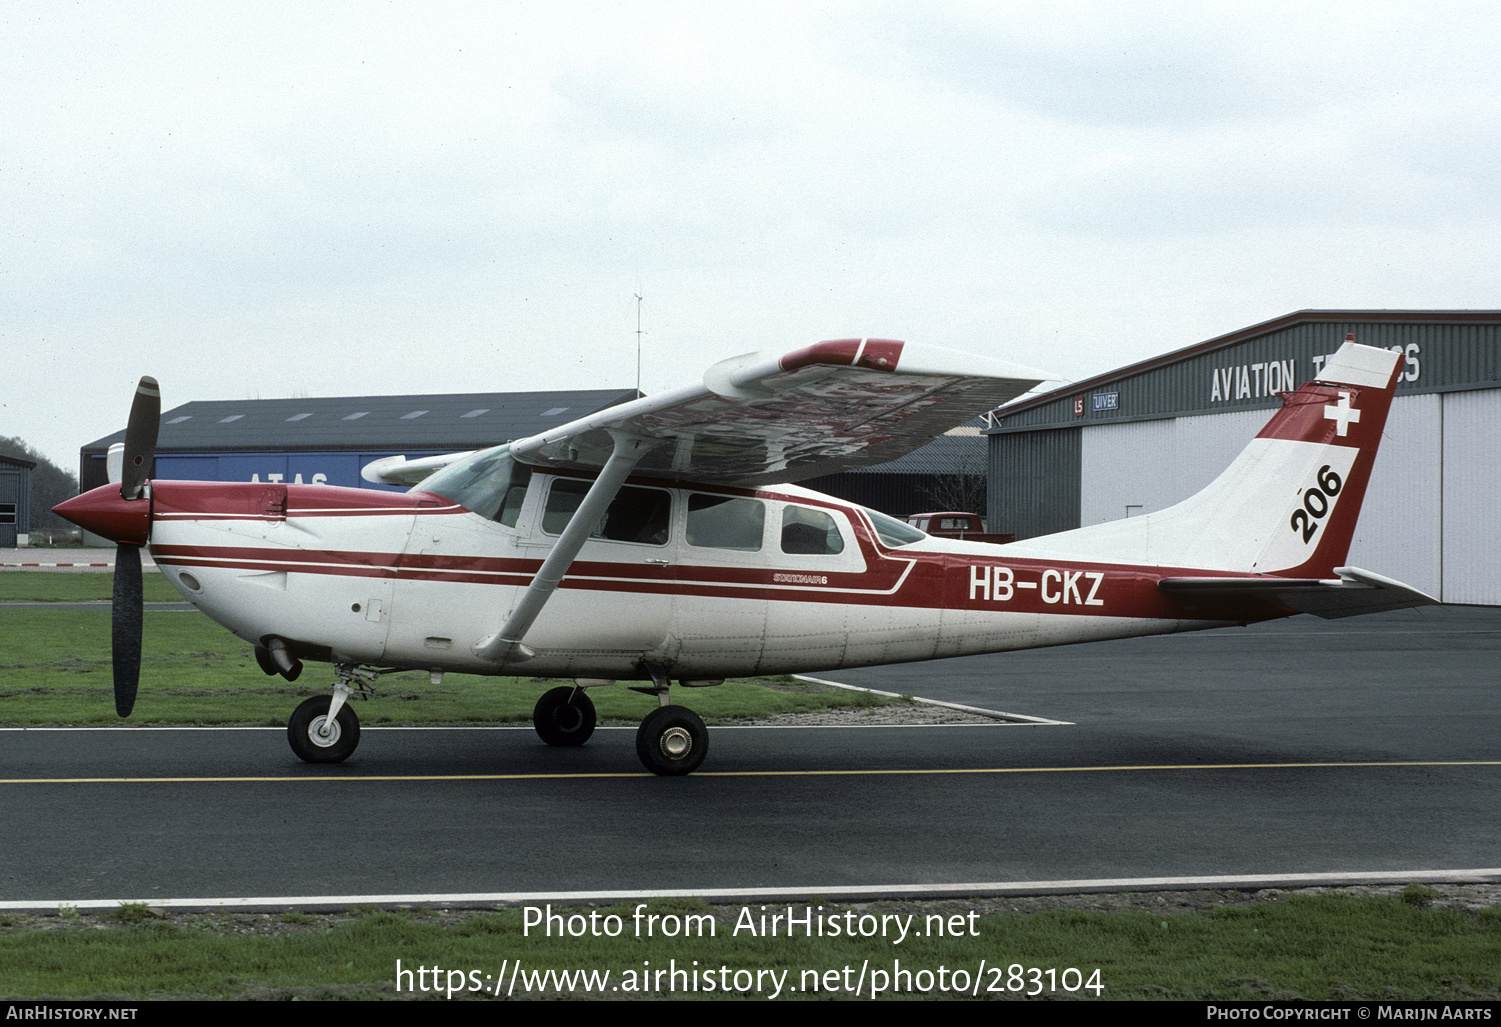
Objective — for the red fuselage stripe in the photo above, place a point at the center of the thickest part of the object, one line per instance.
(947, 581)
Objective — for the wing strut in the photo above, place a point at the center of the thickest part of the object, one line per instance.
(505, 645)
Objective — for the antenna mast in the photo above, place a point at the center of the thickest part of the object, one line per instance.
(638, 343)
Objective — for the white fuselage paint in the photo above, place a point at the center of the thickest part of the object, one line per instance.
(693, 615)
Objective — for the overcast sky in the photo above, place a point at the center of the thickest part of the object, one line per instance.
(322, 199)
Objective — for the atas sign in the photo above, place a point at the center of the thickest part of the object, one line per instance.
(317, 479)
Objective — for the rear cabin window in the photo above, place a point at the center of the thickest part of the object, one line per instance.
(807, 532)
(719, 522)
(637, 514)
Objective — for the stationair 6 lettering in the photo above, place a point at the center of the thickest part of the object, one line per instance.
(999, 584)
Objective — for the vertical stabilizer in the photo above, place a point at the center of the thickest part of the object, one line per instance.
(1287, 505)
(1331, 428)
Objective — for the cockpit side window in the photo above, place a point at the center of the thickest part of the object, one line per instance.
(510, 507)
(488, 483)
(637, 514)
(892, 531)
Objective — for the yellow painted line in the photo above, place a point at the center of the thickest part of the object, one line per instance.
(353, 778)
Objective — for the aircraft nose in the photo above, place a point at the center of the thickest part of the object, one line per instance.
(103, 512)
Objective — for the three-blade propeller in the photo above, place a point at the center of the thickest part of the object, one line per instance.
(128, 606)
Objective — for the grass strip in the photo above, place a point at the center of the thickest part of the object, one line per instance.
(78, 587)
(1325, 946)
(55, 671)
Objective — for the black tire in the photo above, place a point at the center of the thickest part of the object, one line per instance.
(302, 732)
(560, 721)
(672, 741)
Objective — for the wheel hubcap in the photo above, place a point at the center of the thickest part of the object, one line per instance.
(676, 743)
(323, 732)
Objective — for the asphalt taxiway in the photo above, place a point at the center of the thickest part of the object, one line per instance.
(1360, 747)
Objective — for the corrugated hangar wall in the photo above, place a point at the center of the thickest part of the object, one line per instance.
(1034, 482)
(15, 501)
(1429, 514)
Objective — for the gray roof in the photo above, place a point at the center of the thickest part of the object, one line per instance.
(361, 423)
(949, 453)
(1399, 324)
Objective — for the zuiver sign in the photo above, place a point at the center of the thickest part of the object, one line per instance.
(1257, 381)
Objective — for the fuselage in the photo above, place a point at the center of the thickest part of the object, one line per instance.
(706, 582)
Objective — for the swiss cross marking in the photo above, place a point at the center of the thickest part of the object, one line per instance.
(1342, 414)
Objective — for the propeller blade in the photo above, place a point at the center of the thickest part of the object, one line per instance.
(140, 438)
(125, 626)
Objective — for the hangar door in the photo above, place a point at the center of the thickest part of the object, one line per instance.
(1136, 468)
(1429, 513)
(1471, 472)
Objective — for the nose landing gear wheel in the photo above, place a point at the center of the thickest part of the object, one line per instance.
(563, 718)
(672, 741)
(317, 740)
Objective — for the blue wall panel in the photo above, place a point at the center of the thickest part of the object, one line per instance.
(187, 468)
(291, 468)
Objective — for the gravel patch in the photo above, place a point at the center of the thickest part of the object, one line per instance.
(874, 716)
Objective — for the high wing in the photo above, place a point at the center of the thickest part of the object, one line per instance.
(759, 420)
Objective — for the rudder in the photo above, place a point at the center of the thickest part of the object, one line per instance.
(1336, 421)
(1287, 505)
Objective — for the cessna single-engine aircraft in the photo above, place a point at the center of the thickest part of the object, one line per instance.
(657, 540)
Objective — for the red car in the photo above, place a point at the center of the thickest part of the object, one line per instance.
(951, 524)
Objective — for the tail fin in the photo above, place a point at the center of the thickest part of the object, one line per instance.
(1287, 505)
(1328, 432)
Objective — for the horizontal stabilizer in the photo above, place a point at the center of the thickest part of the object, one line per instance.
(1353, 593)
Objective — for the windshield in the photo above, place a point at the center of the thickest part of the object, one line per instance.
(892, 531)
(489, 483)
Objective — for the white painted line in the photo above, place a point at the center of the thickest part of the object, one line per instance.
(847, 892)
(993, 714)
(86, 568)
(56, 565)
(859, 727)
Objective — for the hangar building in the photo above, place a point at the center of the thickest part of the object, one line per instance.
(1147, 436)
(326, 441)
(15, 501)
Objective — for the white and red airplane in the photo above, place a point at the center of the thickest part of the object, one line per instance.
(654, 541)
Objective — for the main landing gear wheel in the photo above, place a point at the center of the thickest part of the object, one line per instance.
(316, 740)
(672, 741)
(564, 716)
